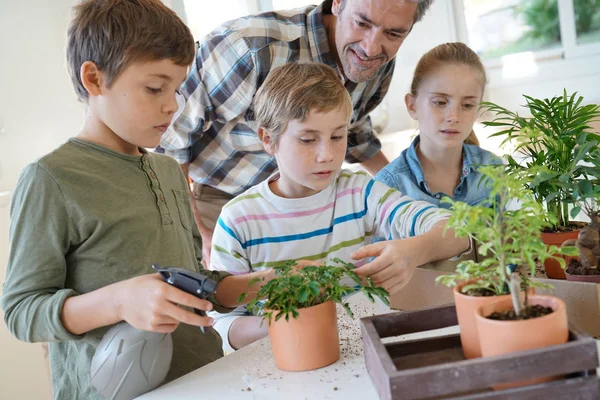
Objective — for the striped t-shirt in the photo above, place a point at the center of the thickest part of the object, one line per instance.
(258, 229)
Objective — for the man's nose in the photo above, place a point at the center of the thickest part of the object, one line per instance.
(371, 44)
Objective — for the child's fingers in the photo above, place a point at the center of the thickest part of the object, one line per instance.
(178, 296)
(187, 317)
(383, 275)
(370, 250)
(378, 264)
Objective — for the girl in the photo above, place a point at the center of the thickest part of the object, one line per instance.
(444, 97)
(311, 209)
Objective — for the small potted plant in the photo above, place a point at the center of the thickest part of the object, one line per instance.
(585, 266)
(300, 309)
(558, 137)
(507, 239)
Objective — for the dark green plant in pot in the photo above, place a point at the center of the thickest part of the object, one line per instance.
(556, 151)
(505, 235)
(296, 288)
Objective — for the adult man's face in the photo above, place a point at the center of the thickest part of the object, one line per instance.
(368, 33)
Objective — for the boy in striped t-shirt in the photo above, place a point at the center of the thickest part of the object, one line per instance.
(313, 210)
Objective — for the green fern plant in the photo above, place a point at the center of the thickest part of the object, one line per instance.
(557, 137)
(295, 288)
(505, 236)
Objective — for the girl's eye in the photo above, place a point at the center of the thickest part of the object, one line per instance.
(468, 106)
(361, 24)
(439, 103)
(307, 141)
(153, 90)
(337, 138)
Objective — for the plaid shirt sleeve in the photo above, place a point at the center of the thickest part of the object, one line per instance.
(362, 141)
(221, 86)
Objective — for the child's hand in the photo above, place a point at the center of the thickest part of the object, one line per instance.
(393, 266)
(149, 303)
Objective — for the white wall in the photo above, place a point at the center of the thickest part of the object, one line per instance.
(38, 111)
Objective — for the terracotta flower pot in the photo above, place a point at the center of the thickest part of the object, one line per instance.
(553, 269)
(465, 311)
(308, 342)
(503, 337)
(583, 278)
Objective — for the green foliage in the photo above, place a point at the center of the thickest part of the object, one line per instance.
(504, 236)
(560, 156)
(542, 18)
(293, 289)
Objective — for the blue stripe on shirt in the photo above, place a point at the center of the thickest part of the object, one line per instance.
(414, 222)
(228, 230)
(301, 236)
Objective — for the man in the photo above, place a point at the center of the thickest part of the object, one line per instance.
(214, 138)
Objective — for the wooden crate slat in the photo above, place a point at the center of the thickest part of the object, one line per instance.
(481, 373)
(584, 388)
(402, 322)
(435, 367)
(378, 362)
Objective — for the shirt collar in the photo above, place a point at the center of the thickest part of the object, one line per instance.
(415, 165)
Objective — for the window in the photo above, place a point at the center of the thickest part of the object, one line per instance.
(498, 28)
(204, 16)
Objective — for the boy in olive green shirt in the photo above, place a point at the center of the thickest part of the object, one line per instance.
(89, 219)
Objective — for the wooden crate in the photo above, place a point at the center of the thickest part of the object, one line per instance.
(436, 368)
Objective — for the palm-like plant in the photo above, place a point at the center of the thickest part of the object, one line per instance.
(558, 137)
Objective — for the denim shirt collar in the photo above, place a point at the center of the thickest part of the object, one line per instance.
(417, 170)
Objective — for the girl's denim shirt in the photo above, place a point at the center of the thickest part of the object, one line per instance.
(406, 175)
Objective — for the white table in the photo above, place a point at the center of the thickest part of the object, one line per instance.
(250, 373)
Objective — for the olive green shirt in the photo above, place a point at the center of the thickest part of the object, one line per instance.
(84, 217)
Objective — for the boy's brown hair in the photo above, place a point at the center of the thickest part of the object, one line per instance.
(115, 33)
(292, 90)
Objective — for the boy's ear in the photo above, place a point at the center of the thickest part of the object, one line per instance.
(410, 105)
(91, 78)
(266, 140)
(335, 7)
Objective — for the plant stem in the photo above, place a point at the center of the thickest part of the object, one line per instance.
(515, 292)
(500, 230)
(565, 216)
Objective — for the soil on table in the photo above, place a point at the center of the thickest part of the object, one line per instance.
(575, 268)
(528, 313)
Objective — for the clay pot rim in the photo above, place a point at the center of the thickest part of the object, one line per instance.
(557, 300)
(457, 288)
(566, 273)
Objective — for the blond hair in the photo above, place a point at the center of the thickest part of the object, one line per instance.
(115, 33)
(292, 90)
(448, 53)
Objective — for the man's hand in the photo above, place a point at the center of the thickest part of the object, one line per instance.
(394, 265)
(148, 303)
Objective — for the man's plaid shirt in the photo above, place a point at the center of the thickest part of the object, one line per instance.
(216, 130)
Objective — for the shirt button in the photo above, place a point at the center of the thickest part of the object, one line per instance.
(153, 175)
(162, 198)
